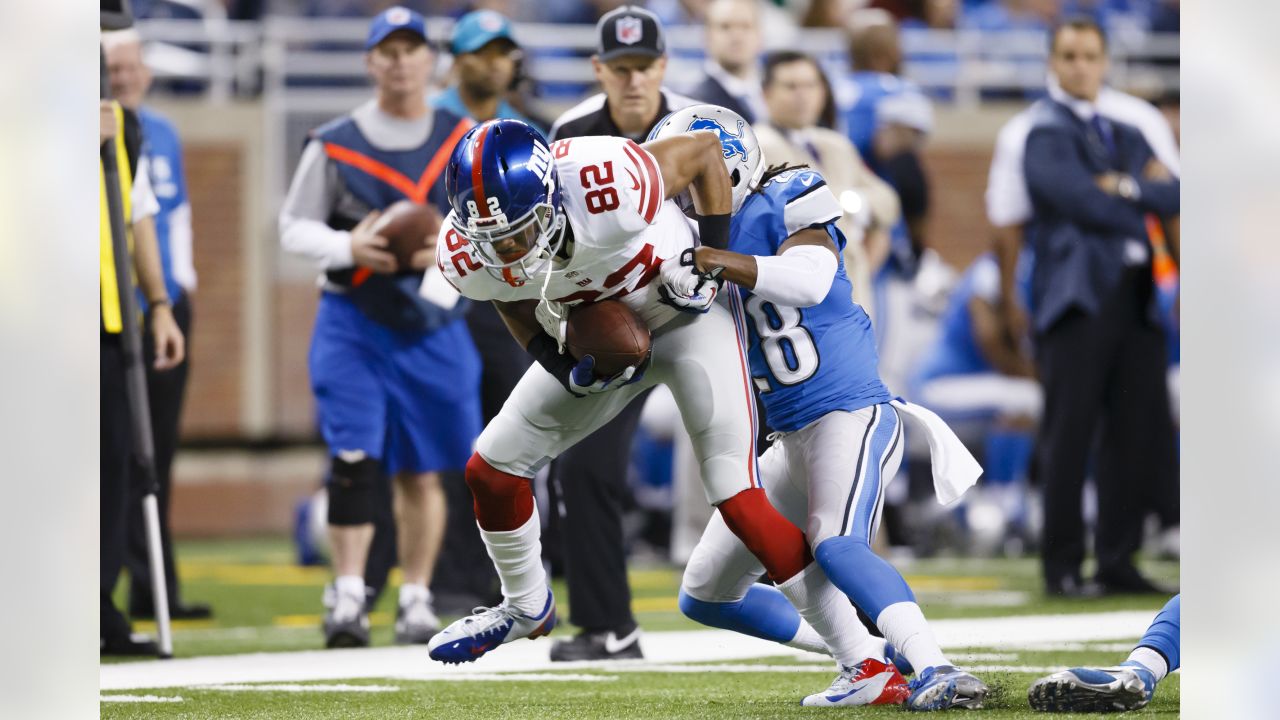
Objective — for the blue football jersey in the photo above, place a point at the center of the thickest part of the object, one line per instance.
(806, 362)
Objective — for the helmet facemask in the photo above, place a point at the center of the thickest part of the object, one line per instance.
(539, 234)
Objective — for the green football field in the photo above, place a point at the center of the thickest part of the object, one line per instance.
(260, 657)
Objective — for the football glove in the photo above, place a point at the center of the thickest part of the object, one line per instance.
(686, 289)
(554, 318)
(583, 380)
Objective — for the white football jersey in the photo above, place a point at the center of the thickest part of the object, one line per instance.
(622, 229)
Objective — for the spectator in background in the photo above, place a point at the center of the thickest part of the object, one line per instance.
(1100, 350)
(1007, 15)
(930, 15)
(679, 12)
(485, 55)
(120, 133)
(130, 78)
(795, 94)
(733, 49)
(888, 120)
(590, 478)
(395, 376)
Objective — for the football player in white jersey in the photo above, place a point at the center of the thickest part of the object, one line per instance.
(537, 228)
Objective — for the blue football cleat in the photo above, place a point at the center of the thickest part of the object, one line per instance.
(1111, 689)
(487, 628)
(945, 687)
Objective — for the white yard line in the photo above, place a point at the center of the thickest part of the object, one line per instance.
(660, 648)
(140, 698)
(296, 688)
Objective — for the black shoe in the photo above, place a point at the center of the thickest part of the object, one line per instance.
(178, 611)
(132, 644)
(1071, 587)
(604, 645)
(1130, 582)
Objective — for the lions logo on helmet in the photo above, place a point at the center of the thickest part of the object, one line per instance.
(505, 195)
(742, 156)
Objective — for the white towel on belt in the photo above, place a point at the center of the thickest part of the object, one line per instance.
(954, 468)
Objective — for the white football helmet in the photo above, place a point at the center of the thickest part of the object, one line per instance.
(742, 156)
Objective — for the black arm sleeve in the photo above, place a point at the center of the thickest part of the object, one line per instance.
(713, 231)
(544, 349)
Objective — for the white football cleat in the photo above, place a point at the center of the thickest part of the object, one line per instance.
(870, 682)
(487, 628)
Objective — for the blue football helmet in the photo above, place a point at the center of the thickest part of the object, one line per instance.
(505, 195)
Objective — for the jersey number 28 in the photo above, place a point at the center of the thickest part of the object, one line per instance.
(787, 346)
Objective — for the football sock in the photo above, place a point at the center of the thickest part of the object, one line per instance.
(349, 585)
(517, 556)
(829, 613)
(1159, 650)
(775, 541)
(905, 628)
(411, 593)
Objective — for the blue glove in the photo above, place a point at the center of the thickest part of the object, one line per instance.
(583, 380)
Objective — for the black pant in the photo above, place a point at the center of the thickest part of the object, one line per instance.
(590, 483)
(1104, 378)
(165, 392)
(113, 478)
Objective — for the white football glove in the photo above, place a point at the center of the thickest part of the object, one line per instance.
(686, 289)
(554, 318)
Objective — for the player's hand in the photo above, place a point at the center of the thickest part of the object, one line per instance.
(684, 287)
(583, 380)
(423, 259)
(1017, 325)
(369, 249)
(1155, 170)
(554, 318)
(106, 121)
(170, 344)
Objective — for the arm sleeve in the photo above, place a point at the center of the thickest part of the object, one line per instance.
(800, 277)
(1056, 177)
(303, 227)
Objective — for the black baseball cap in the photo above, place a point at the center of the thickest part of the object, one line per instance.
(630, 30)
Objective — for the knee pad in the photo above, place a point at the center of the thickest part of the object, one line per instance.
(503, 502)
(351, 490)
(778, 544)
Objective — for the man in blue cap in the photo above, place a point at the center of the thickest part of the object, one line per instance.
(485, 61)
(395, 375)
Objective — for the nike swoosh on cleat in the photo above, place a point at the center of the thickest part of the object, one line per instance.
(479, 650)
(613, 645)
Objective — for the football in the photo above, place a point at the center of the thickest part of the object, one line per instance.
(408, 228)
(610, 332)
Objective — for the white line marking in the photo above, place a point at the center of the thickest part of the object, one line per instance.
(513, 677)
(294, 687)
(995, 634)
(140, 698)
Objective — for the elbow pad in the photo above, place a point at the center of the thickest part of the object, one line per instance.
(800, 277)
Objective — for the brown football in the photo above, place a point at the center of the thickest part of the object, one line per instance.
(408, 228)
(609, 331)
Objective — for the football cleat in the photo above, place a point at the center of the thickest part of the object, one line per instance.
(870, 682)
(945, 687)
(487, 628)
(899, 660)
(346, 623)
(416, 623)
(598, 646)
(1111, 689)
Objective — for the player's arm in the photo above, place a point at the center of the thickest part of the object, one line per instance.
(996, 347)
(798, 275)
(577, 376)
(1008, 246)
(170, 345)
(696, 161)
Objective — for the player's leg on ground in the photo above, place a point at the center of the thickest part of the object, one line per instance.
(846, 495)
(1128, 686)
(539, 421)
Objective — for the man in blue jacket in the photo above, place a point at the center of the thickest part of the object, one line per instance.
(1095, 188)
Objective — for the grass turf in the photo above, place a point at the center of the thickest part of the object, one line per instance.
(263, 603)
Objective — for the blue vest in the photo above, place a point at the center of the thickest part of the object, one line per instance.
(163, 150)
(377, 179)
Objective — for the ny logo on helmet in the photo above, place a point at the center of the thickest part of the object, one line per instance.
(730, 142)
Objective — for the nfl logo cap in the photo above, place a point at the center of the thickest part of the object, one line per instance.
(393, 19)
(479, 28)
(630, 30)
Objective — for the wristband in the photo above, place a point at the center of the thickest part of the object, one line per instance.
(546, 351)
(714, 230)
(153, 304)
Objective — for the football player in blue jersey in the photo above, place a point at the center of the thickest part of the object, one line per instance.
(1128, 686)
(838, 435)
